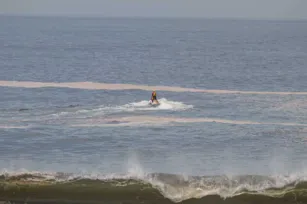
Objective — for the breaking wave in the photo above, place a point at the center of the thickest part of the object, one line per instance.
(152, 188)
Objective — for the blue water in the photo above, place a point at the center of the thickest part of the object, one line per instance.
(103, 131)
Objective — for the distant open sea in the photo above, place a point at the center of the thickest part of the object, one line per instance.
(76, 125)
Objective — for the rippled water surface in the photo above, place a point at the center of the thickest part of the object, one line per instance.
(75, 92)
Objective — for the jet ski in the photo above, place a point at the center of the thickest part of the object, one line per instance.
(154, 103)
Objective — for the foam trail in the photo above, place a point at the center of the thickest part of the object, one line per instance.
(105, 86)
(143, 120)
(12, 127)
(164, 105)
(130, 107)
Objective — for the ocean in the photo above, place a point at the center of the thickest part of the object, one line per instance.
(76, 125)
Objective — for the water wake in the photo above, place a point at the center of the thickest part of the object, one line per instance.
(164, 105)
(140, 106)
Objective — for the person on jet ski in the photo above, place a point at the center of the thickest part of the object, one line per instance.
(154, 96)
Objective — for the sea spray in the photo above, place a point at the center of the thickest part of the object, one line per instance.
(151, 188)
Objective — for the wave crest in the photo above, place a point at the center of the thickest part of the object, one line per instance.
(152, 187)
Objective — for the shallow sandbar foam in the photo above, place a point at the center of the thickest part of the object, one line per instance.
(106, 86)
(12, 127)
(159, 120)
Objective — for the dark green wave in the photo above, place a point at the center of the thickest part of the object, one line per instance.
(29, 188)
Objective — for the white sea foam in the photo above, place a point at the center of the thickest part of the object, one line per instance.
(164, 105)
(160, 120)
(13, 127)
(129, 107)
(178, 187)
